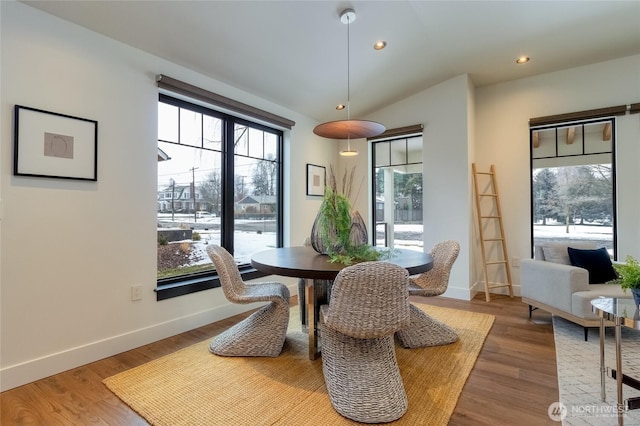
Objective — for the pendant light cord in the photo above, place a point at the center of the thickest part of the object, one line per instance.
(344, 129)
(348, 67)
(348, 79)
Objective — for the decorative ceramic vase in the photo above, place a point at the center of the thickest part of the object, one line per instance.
(358, 234)
(320, 244)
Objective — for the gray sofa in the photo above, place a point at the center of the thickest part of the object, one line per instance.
(550, 282)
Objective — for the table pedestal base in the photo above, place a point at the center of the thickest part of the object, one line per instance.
(315, 294)
(312, 322)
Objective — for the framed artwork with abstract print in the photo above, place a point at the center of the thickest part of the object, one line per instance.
(316, 180)
(48, 144)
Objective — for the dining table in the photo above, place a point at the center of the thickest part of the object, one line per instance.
(318, 273)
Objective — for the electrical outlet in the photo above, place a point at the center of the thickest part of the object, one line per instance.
(515, 262)
(136, 292)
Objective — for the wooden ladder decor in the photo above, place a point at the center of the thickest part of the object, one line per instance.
(490, 219)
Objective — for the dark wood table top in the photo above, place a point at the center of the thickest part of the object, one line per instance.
(305, 262)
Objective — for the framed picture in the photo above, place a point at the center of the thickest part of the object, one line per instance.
(316, 179)
(47, 144)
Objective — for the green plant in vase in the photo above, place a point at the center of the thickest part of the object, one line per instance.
(335, 219)
(335, 233)
(629, 277)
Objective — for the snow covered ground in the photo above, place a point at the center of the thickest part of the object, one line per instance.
(247, 243)
(575, 232)
(598, 234)
(251, 241)
(256, 236)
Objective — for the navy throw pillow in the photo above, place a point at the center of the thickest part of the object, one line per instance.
(597, 262)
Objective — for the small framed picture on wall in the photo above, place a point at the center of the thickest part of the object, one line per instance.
(316, 179)
(48, 144)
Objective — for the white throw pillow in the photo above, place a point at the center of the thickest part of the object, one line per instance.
(557, 252)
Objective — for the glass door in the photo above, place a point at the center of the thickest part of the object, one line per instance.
(397, 193)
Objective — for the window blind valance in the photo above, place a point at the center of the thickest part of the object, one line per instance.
(186, 89)
(580, 115)
(585, 115)
(398, 131)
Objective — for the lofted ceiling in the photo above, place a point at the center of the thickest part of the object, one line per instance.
(294, 53)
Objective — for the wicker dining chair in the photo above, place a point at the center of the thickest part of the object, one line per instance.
(369, 302)
(262, 333)
(424, 330)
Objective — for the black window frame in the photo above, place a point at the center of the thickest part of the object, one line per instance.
(373, 141)
(561, 124)
(167, 288)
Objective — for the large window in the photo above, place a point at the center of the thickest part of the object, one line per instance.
(573, 183)
(397, 192)
(219, 182)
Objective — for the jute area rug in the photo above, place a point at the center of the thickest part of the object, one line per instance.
(194, 387)
(578, 365)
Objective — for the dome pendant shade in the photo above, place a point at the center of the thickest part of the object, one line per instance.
(349, 129)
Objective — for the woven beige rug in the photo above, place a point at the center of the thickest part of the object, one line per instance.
(194, 387)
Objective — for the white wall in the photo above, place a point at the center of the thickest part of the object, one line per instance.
(444, 111)
(71, 249)
(502, 138)
(306, 148)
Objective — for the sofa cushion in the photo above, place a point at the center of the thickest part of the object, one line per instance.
(557, 252)
(581, 300)
(597, 262)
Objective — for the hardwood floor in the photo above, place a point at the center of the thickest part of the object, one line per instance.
(515, 378)
(513, 382)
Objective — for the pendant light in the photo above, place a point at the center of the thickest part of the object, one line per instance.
(347, 129)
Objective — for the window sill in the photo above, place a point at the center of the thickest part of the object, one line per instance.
(167, 289)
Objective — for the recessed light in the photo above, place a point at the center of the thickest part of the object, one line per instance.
(340, 107)
(380, 44)
(522, 60)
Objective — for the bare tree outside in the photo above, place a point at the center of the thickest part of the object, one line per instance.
(571, 201)
(210, 191)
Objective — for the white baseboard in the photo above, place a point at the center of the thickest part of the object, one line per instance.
(35, 369)
(458, 293)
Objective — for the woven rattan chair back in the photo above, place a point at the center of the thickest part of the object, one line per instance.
(263, 332)
(230, 278)
(435, 281)
(369, 300)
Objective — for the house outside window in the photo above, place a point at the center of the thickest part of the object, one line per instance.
(219, 182)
